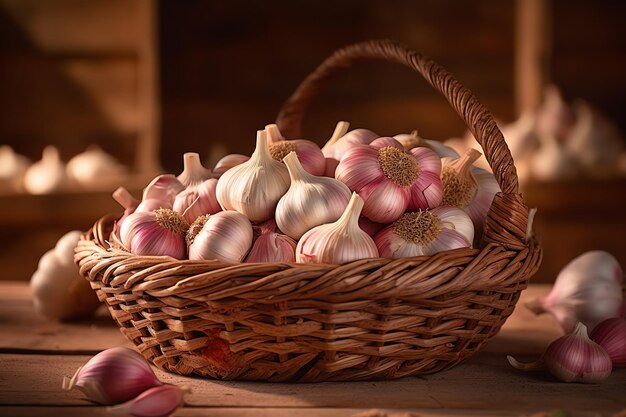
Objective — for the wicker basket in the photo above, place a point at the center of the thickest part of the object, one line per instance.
(368, 319)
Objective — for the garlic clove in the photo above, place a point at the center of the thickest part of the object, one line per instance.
(159, 401)
(193, 171)
(229, 161)
(359, 167)
(611, 335)
(159, 233)
(310, 201)
(198, 200)
(384, 202)
(339, 242)
(254, 187)
(113, 376)
(47, 175)
(225, 236)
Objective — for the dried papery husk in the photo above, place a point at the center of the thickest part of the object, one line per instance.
(194, 172)
(425, 233)
(310, 201)
(198, 200)
(271, 246)
(339, 242)
(413, 140)
(225, 236)
(611, 335)
(160, 232)
(309, 154)
(469, 188)
(254, 187)
(588, 290)
(229, 161)
(572, 358)
(390, 180)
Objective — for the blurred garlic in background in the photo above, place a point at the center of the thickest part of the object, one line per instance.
(12, 169)
(555, 117)
(46, 175)
(94, 168)
(553, 161)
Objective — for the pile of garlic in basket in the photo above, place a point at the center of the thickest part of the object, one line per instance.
(360, 196)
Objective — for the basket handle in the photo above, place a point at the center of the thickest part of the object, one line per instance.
(475, 115)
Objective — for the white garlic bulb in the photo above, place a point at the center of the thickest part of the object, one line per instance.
(12, 168)
(94, 167)
(226, 236)
(193, 171)
(310, 200)
(553, 161)
(339, 242)
(254, 187)
(47, 175)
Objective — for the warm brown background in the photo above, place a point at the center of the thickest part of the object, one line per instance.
(74, 73)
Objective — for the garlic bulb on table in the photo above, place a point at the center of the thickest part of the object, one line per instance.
(391, 180)
(310, 201)
(226, 236)
(611, 335)
(46, 175)
(425, 233)
(553, 161)
(12, 168)
(59, 291)
(254, 187)
(94, 167)
(339, 242)
(309, 154)
(271, 246)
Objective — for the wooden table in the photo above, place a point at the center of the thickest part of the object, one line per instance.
(36, 353)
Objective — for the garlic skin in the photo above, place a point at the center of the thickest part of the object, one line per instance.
(339, 242)
(336, 148)
(47, 175)
(59, 292)
(310, 201)
(413, 140)
(193, 171)
(390, 180)
(227, 162)
(270, 246)
(156, 233)
(467, 187)
(309, 154)
(573, 358)
(611, 335)
(12, 168)
(226, 236)
(588, 289)
(128, 202)
(370, 227)
(196, 201)
(160, 401)
(254, 187)
(113, 376)
(94, 167)
(425, 233)
(162, 190)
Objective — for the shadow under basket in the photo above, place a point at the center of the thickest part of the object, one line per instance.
(368, 319)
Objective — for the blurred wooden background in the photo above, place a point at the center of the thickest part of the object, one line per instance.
(149, 80)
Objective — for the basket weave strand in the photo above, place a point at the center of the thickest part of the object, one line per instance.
(368, 319)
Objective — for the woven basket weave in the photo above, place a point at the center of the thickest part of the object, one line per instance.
(368, 319)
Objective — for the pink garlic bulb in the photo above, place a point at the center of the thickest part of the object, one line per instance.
(425, 233)
(160, 193)
(309, 154)
(413, 140)
(226, 236)
(159, 401)
(390, 180)
(611, 335)
(271, 246)
(128, 202)
(341, 142)
(588, 289)
(227, 162)
(370, 227)
(160, 233)
(198, 200)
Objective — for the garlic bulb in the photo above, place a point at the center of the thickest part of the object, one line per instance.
(310, 200)
(425, 233)
(113, 376)
(370, 227)
(159, 401)
(336, 148)
(270, 246)
(572, 358)
(254, 187)
(94, 167)
(555, 118)
(59, 291)
(588, 289)
(413, 140)
(467, 187)
(193, 171)
(229, 161)
(553, 161)
(128, 202)
(47, 175)
(12, 168)
(309, 154)
(391, 180)
(160, 193)
(160, 232)
(196, 201)
(226, 236)
(611, 335)
(339, 242)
